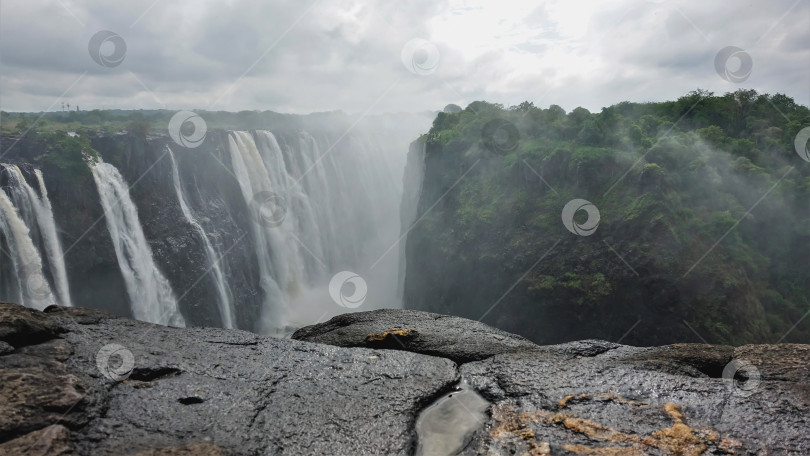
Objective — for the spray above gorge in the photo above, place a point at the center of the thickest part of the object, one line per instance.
(495, 214)
(246, 229)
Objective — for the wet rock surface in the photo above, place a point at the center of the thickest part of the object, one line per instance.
(645, 401)
(445, 427)
(53, 440)
(450, 337)
(228, 392)
(84, 382)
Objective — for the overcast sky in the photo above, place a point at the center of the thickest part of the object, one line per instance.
(395, 55)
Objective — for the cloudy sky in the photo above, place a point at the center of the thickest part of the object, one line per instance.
(394, 55)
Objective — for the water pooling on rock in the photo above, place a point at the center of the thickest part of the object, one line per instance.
(445, 427)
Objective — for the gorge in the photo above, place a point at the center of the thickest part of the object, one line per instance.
(274, 221)
(245, 231)
(296, 284)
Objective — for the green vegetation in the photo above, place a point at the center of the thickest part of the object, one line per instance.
(704, 198)
(68, 153)
(63, 139)
(143, 122)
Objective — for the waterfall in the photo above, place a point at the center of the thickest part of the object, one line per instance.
(318, 208)
(254, 181)
(149, 291)
(226, 310)
(36, 211)
(412, 190)
(56, 256)
(32, 288)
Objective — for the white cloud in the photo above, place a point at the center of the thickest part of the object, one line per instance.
(345, 54)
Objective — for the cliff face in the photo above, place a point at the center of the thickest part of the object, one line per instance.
(335, 181)
(78, 381)
(178, 250)
(685, 241)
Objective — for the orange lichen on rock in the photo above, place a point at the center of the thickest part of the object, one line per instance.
(564, 401)
(509, 423)
(605, 397)
(604, 451)
(513, 424)
(539, 449)
(678, 439)
(393, 332)
(592, 429)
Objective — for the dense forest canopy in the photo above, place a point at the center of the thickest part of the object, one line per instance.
(704, 231)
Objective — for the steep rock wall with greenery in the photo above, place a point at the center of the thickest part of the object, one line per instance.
(704, 220)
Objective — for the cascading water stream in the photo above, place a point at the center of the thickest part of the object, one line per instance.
(226, 310)
(255, 185)
(318, 209)
(53, 245)
(36, 211)
(149, 291)
(323, 205)
(33, 289)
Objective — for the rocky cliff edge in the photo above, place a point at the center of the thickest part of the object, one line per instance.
(76, 381)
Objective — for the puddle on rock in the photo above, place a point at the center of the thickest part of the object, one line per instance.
(444, 428)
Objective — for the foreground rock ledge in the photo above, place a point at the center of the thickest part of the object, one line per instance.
(78, 381)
